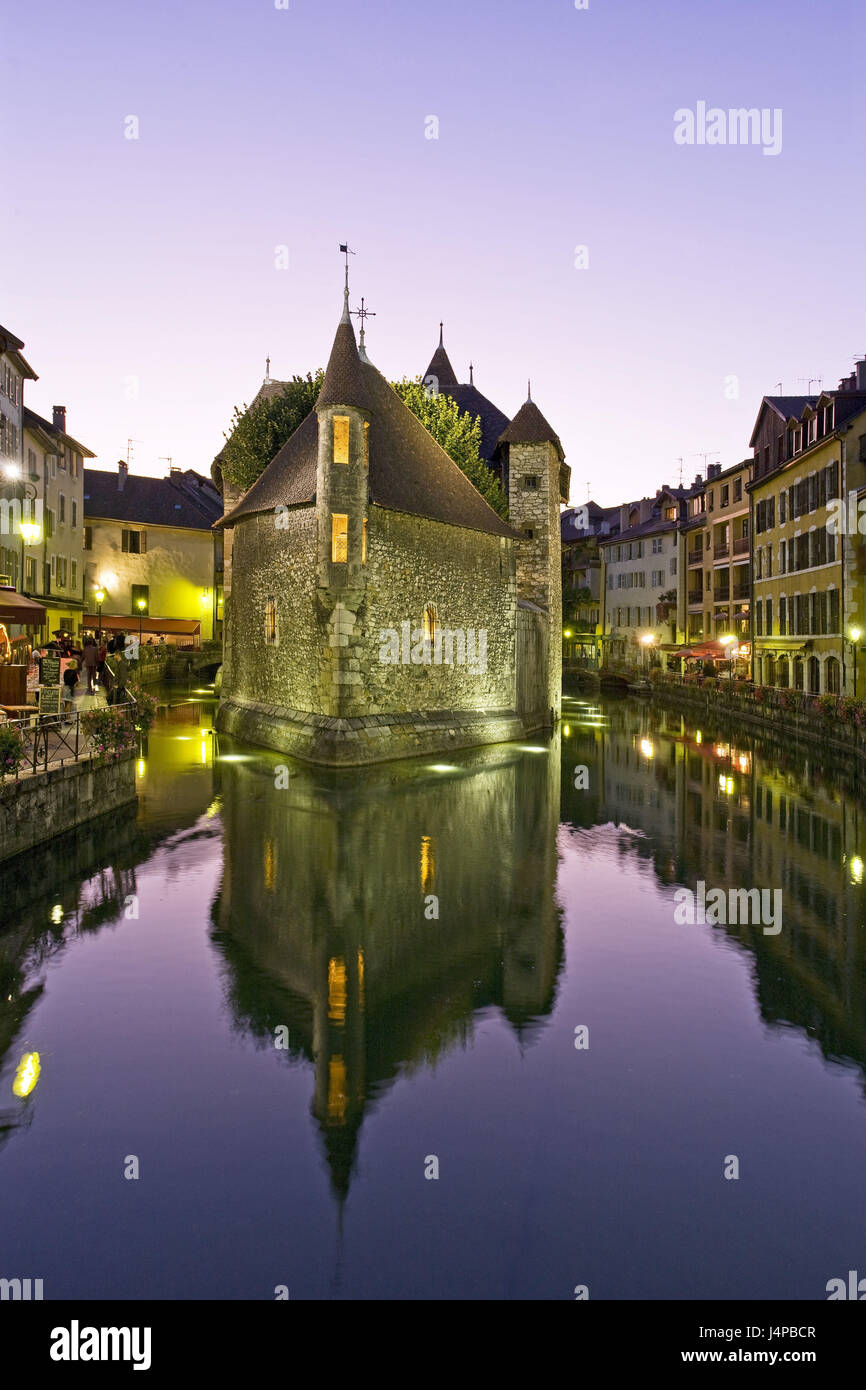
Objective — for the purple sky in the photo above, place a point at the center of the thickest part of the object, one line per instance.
(154, 258)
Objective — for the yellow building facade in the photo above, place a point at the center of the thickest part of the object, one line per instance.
(809, 454)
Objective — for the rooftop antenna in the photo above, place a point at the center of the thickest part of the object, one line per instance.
(130, 450)
(165, 458)
(779, 387)
(808, 380)
(347, 252)
(710, 454)
(680, 461)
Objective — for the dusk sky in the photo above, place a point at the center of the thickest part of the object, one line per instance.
(141, 272)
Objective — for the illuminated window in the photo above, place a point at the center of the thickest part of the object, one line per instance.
(270, 619)
(337, 989)
(364, 543)
(428, 864)
(431, 623)
(366, 443)
(338, 1095)
(339, 538)
(341, 439)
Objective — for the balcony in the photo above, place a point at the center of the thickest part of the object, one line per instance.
(696, 557)
(741, 547)
(696, 597)
(740, 593)
(722, 596)
(721, 552)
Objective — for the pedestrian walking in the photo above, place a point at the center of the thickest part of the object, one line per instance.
(90, 658)
(70, 681)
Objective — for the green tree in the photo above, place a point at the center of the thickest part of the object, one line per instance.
(459, 434)
(260, 431)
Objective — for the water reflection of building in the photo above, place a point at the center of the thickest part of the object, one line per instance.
(69, 886)
(326, 916)
(735, 810)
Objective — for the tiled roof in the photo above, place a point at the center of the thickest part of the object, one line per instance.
(493, 421)
(185, 500)
(32, 421)
(408, 470)
(440, 367)
(647, 528)
(530, 427)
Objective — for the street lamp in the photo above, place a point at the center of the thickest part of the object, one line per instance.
(854, 635)
(99, 595)
(647, 641)
(141, 604)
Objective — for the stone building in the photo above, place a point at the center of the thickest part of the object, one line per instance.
(376, 606)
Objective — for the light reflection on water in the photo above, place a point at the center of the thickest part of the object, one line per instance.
(284, 995)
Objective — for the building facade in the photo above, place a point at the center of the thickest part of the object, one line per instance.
(715, 563)
(809, 455)
(640, 578)
(150, 550)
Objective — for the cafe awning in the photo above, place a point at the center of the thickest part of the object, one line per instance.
(706, 651)
(15, 608)
(112, 622)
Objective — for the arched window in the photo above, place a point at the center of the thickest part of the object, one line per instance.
(431, 623)
(814, 676)
(832, 671)
(798, 674)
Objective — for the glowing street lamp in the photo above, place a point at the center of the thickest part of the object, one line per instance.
(854, 635)
(727, 642)
(99, 595)
(141, 604)
(647, 642)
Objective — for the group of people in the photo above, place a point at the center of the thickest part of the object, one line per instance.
(91, 660)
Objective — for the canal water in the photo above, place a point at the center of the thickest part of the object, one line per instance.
(439, 1029)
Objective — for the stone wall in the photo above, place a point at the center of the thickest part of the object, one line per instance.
(38, 807)
(327, 657)
(539, 559)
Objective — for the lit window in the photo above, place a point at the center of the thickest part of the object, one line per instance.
(431, 623)
(364, 543)
(341, 439)
(366, 444)
(270, 619)
(339, 538)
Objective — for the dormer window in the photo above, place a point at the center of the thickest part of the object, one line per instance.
(670, 513)
(341, 439)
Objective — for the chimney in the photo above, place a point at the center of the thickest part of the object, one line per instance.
(122, 474)
(699, 482)
(60, 418)
(861, 374)
(174, 470)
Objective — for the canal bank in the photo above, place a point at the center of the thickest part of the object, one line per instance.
(811, 721)
(36, 808)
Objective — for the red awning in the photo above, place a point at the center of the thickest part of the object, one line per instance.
(15, 608)
(111, 622)
(705, 651)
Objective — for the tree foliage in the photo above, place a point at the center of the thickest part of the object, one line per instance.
(459, 435)
(259, 432)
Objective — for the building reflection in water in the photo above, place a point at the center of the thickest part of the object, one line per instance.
(719, 803)
(377, 913)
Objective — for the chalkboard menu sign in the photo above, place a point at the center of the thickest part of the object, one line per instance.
(51, 670)
(49, 699)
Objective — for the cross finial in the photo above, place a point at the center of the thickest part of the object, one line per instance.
(362, 314)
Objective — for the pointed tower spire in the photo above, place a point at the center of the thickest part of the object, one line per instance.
(471, 381)
(267, 369)
(440, 366)
(528, 389)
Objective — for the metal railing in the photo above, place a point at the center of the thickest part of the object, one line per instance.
(51, 740)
